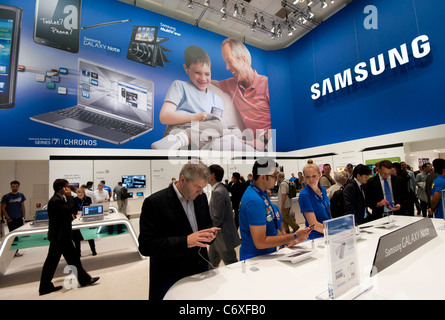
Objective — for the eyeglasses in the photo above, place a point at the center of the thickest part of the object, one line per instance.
(275, 176)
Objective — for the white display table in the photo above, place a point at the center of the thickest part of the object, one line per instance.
(7, 252)
(416, 276)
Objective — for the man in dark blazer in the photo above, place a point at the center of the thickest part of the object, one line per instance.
(61, 207)
(354, 200)
(175, 228)
(222, 216)
(375, 193)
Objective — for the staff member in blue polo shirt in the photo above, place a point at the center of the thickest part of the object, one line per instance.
(314, 201)
(437, 188)
(260, 221)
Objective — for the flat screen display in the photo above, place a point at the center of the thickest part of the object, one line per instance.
(41, 215)
(93, 211)
(133, 181)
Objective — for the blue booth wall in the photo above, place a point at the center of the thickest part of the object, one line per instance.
(404, 98)
(409, 96)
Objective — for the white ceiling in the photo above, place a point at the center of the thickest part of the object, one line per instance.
(209, 17)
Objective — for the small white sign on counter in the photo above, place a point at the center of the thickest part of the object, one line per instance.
(342, 255)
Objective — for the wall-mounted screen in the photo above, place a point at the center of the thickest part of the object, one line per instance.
(135, 181)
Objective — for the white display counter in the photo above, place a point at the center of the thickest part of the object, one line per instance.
(416, 276)
(7, 251)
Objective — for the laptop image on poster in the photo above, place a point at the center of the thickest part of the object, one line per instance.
(112, 105)
(92, 213)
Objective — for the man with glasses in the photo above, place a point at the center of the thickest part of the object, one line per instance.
(385, 192)
(261, 225)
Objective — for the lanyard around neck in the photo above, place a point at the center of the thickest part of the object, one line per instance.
(269, 209)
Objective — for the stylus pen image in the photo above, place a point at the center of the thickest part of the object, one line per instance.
(106, 24)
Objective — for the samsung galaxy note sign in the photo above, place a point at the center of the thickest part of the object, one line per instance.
(377, 65)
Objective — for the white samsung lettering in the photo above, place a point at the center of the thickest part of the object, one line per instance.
(341, 82)
(397, 57)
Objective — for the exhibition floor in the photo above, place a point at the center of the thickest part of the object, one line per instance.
(123, 275)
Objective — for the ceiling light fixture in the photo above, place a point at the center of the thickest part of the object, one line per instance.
(207, 3)
(273, 27)
(279, 32)
(190, 4)
(243, 14)
(262, 23)
(323, 4)
(235, 10)
(310, 14)
(224, 7)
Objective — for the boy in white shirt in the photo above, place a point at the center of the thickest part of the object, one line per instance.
(188, 102)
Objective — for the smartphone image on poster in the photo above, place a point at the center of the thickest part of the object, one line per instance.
(57, 24)
(10, 25)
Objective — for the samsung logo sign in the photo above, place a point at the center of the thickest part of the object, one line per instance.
(420, 48)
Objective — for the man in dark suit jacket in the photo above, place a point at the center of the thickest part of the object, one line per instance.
(175, 228)
(222, 216)
(236, 189)
(354, 194)
(60, 212)
(375, 193)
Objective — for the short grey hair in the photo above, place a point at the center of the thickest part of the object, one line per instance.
(238, 49)
(341, 176)
(193, 170)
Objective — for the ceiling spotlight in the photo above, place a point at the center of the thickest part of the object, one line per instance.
(332, 1)
(254, 24)
(224, 7)
(243, 13)
(310, 3)
(190, 4)
(273, 27)
(279, 32)
(323, 4)
(224, 17)
(207, 3)
(290, 29)
(262, 24)
(235, 12)
(310, 15)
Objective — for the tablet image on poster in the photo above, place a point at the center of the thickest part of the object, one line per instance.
(10, 24)
(56, 24)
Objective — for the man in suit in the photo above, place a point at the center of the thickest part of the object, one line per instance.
(175, 228)
(61, 207)
(354, 200)
(236, 189)
(385, 192)
(222, 216)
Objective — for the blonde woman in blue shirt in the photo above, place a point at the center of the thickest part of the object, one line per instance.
(314, 201)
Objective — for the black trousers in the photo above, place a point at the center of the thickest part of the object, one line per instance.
(55, 251)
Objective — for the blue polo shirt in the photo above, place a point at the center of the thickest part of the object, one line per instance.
(255, 211)
(311, 202)
(438, 186)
